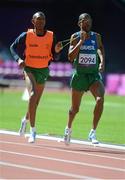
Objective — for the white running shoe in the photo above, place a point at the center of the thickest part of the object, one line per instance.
(32, 137)
(22, 129)
(67, 135)
(92, 137)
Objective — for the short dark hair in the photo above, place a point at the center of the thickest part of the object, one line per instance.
(39, 13)
(84, 15)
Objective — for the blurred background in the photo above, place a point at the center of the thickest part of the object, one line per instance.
(62, 15)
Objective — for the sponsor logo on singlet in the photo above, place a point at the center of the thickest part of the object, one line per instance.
(33, 45)
(85, 47)
(38, 57)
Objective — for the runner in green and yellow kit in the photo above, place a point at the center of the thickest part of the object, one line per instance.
(86, 51)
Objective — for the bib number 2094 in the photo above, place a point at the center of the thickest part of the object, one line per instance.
(87, 59)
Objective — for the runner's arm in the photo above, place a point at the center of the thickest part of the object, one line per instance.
(101, 53)
(17, 48)
(56, 55)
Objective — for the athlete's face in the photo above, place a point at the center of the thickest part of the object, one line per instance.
(39, 22)
(85, 23)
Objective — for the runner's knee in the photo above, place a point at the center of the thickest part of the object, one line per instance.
(100, 100)
(73, 111)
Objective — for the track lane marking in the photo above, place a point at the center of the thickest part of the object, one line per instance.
(62, 150)
(45, 170)
(65, 161)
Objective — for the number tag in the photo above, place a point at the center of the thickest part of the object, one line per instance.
(87, 59)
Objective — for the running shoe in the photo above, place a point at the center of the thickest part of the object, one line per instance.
(92, 137)
(67, 136)
(32, 137)
(22, 129)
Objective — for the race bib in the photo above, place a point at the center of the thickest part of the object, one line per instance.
(87, 59)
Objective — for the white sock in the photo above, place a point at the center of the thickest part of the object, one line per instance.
(32, 129)
(67, 127)
(25, 119)
(93, 130)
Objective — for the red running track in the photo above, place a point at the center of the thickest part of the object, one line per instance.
(47, 159)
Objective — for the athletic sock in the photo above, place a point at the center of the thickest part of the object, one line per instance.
(32, 129)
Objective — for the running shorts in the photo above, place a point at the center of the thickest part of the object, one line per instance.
(82, 82)
(40, 74)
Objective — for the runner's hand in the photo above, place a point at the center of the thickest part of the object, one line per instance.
(21, 63)
(84, 35)
(58, 47)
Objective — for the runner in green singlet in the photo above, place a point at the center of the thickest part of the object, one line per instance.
(86, 51)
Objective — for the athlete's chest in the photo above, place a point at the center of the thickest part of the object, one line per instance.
(89, 44)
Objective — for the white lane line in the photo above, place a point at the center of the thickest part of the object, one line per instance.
(64, 150)
(66, 161)
(45, 170)
(58, 139)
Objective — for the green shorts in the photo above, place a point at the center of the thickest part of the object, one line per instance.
(82, 82)
(40, 74)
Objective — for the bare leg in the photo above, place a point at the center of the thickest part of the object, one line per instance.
(35, 94)
(97, 89)
(29, 88)
(76, 100)
(33, 103)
